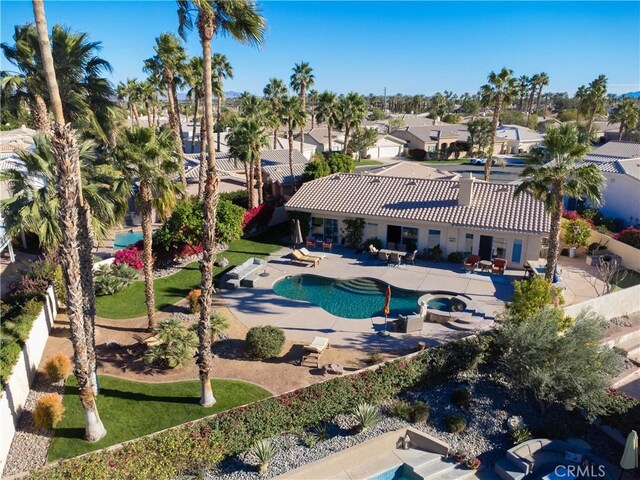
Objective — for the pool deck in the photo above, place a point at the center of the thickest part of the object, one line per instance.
(302, 321)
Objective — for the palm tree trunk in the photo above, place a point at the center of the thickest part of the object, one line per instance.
(275, 138)
(248, 182)
(174, 123)
(313, 117)
(218, 114)
(39, 113)
(494, 125)
(329, 134)
(530, 102)
(148, 108)
(293, 178)
(554, 233)
(195, 119)
(146, 210)
(538, 100)
(136, 118)
(203, 355)
(252, 185)
(592, 117)
(260, 183)
(303, 101)
(621, 131)
(347, 131)
(202, 172)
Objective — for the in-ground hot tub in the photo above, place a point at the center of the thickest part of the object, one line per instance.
(441, 307)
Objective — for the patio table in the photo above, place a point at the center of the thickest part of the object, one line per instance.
(398, 252)
(537, 266)
(485, 265)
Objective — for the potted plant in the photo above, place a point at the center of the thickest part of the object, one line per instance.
(473, 463)
(576, 234)
(460, 456)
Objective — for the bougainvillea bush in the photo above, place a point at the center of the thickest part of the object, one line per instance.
(258, 218)
(130, 256)
(630, 236)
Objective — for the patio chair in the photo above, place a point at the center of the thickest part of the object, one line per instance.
(393, 259)
(297, 256)
(528, 272)
(410, 258)
(313, 351)
(383, 257)
(307, 253)
(327, 244)
(499, 264)
(373, 251)
(311, 242)
(471, 263)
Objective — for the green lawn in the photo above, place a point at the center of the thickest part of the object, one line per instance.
(129, 303)
(132, 409)
(367, 163)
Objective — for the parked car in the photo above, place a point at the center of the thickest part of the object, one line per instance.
(482, 161)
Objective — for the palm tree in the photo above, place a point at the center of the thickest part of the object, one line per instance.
(626, 112)
(327, 111)
(556, 174)
(149, 159)
(543, 81)
(533, 85)
(222, 69)
(246, 143)
(498, 91)
(70, 208)
(274, 92)
(252, 107)
(301, 79)
(243, 22)
(292, 115)
(595, 100)
(129, 93)
(523, 88)
(350, 114)
(149, 98)
(193, 78)
(169, 59)
(313, 102)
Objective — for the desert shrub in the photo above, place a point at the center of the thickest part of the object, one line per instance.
(28, 287)
(624, 412)
(130, 256)
(193, 298)
(177, 347)
(520, 434)
(32, 307)
(264, 342)
(419, 412)
(366, 416)
(473, 463)
(58, 285)
(530, 297)
(417, 153)
(630, 236)
(461, 397)
(111, 279)
(374, 358)
(20, 326)
(455, 423)
(400, 408)
(58, 368)
(49, 411)
(265, 453)
(340, 163)
(577, 232)
(375, 241)
(455, 257)
(315, 169)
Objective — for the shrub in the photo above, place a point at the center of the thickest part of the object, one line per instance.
(189, 250)
(630, 236)
(111, 279)
(58, 368)
(20, 326)
(228, 222)
(455, 257)
(58, 285)
(354, 231)
(530, 297)
(366, 416)
(49, 411)
(130, 256)
(239, 198)
(417, 153)
(315, 169)
(258, 218)
(374, 358)
(177, 347)
(219, 324)
(520, 434)
(473, 463)
(455, 423)
(375, 241)
(460, 455)
(194, 300)
(419, 412)
(461, 397)
(340, 163)
(32, 307)
(265, 452)
(29, 287)
(577, 232)
(264, 342)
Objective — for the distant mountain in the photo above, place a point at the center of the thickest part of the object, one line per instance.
(631, 94)
(231, 94)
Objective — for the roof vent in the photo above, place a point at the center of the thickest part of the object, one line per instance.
(335, 177)
(376, 179)
(411, 182)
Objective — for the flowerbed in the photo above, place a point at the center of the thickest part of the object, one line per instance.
(130, 256)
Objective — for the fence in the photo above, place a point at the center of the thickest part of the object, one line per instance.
(617, 304)
(19, 383)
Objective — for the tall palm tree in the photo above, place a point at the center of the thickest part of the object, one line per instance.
(626, 112)
(129, 92)
(556, 174)
(221, 69)
(313, 102)
(243, 22)
(148, 97)
(327, 111)
(274, 92)
(292, 115)
(149, 159)
(301, 79)
(246, 143)
(497, 92)
(169, 59)
(595, 100)
(533, 85)
(350, 114)
(543, 81)
(252, 107)
(70, 209)
(523, 88)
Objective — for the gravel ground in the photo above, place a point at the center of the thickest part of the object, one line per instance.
(30, 444)
(486, 435)
(172, 267)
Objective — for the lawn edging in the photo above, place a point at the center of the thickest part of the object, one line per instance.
(203, 443)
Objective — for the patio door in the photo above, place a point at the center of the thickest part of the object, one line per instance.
(486, 246)
(331, 230)
(394, 236)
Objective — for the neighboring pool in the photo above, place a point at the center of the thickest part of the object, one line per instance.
(355, 298)
(124, 239)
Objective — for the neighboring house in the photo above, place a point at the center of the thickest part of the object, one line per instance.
(517, 139)
(319, 138)
(433, 138)
(387, 146)
(464, 215)
(414, 170)
(308, 149)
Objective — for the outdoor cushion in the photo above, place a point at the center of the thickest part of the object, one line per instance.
(542, 458)
(317, 345)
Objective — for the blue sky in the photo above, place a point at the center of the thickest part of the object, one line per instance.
(409, 47)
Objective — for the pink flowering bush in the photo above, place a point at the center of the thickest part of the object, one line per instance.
(258, 217)
(630, 236)
(130, 256)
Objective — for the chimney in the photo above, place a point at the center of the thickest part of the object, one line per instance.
(465, 192)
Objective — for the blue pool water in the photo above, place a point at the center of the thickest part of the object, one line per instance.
(354, 298)
(124, 239)
(396, 473)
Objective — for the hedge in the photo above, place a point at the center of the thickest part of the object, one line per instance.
(205, 442)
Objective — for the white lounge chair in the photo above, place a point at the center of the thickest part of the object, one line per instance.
(314, 350)
(309, 254)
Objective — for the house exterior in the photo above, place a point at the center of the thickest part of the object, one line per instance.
(432, 138)
(517, 139)
(413, 170)
(387, 146)
(464, 215)
(319, 138)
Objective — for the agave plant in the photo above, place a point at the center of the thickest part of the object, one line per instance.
(366, 416)
(265, 452)
(520, 434)
(110, 279)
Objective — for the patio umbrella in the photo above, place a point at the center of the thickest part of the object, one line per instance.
(297, 232)
(387, 308)
(629, 458)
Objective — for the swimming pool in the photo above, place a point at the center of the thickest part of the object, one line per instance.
(355, 298)
(124, 239)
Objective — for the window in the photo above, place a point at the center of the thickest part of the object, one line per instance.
(430, 148)
(331, 230)
(468, 244)
(499, 247)
(318, 222)
(516, 254)
(434, 238)
(410, 238)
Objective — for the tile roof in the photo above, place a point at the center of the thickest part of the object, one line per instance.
(413, 170)
(616, 150)
(431, 133)
(320, 135)
(434, 201)
(282, 174)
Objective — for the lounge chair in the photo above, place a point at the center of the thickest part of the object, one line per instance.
(410, 258)
(298, 256)
(313, 351)
(373, 251)
(499, 264)
(471, 263)
(149, 341)
(307, 253)
(394, 259)
(383, 257)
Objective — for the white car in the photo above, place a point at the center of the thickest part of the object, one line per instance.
(482, 161)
